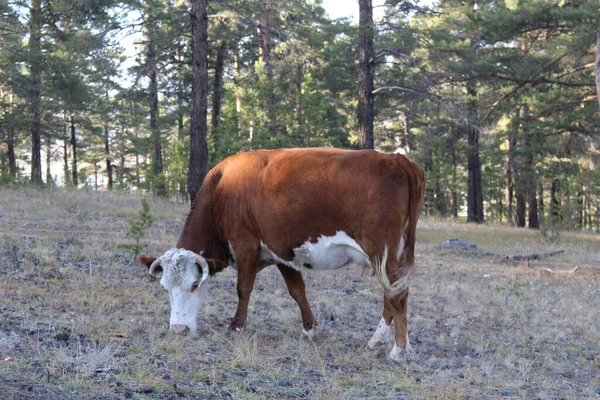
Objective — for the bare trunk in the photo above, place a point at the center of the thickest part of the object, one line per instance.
(218, 94)
(198, 146)
(365, 76)
(66, 172)
(73, 151)
(35, 94)
(157, 163)
(109, 170)
(598, 66)
(238, 94)
(529, 172)
(511, 167)
(454, 192)
(266, 54)
(300, 116)
(541, 217)
(475, 191)
(555, 201)
(407, 139)
(49, 179)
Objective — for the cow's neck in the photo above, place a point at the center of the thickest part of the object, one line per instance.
(198, 234)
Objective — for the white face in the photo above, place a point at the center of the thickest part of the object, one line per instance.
(184, 276)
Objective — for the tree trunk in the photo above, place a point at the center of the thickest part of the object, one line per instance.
(158, 182)
(109, 170)
(265, 51)
(407, 139)
(541, 217)
(198, 146)
(518, 185)
(35, 93)
(73, 151)
(300, 116)
(218, 94)
(529, 172)
(475, 191)
(454, 192)
(66, 172)
(598, 66)
(49, 179)
(238, 93)
(511, 167)
(365, 76)
(555, 201)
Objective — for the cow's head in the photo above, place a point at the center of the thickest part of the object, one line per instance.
(184, 276)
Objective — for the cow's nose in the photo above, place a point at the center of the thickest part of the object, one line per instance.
(180, 329)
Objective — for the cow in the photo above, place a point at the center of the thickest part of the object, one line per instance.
(319, 209)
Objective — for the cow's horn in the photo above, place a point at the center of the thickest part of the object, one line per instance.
(200, 260)
(152, 270)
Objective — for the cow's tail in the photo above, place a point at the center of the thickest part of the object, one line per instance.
(406, 252)
(400, 285)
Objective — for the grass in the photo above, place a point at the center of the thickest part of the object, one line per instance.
(80, 320)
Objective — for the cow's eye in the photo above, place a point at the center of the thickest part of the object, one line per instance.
(195, 285)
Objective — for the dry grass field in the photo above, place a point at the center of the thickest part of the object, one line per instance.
(80, 320)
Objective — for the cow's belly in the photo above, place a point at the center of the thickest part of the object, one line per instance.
(328, 252)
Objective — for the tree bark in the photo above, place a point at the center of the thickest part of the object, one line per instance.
(238, 93)
(35, 93)
(109, 170)
(66, 172)
(265, 51)
(198, 146)
(218, 93)
(475, 191)
(529, 173)
(157, 163)
(555, 201)
(49, 179)
(73, 151)
(407, 139)
(598, 66)
(365, 76)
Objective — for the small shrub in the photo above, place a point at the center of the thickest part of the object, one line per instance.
(137, 229)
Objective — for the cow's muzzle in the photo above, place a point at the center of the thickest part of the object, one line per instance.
(180, 329)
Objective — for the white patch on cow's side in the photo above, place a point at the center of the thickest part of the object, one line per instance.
(233, 260)
(402, 242)
(268, 257)
(180, 275)
(383, 334)
(331, 252)
(309, 333)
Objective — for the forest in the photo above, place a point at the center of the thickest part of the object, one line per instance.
(496, 99)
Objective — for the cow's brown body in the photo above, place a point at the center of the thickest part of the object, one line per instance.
(279, 200)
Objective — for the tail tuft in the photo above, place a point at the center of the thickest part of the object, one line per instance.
(400, 286)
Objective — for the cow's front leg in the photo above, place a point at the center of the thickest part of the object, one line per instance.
(247, 269)
(295, 284)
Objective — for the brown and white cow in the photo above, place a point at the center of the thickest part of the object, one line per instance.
(320, 209)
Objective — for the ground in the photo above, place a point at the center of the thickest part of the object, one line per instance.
(79, 319)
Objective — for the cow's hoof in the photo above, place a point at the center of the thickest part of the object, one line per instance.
(309, 333)
(399, 354)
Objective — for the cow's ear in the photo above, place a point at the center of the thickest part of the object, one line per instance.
(215, 265)
(149, 262)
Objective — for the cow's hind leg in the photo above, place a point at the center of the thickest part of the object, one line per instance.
(399, 308)
(247, 269)
(295, 284)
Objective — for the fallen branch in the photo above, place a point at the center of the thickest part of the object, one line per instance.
(572, 271)
(534, 256)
